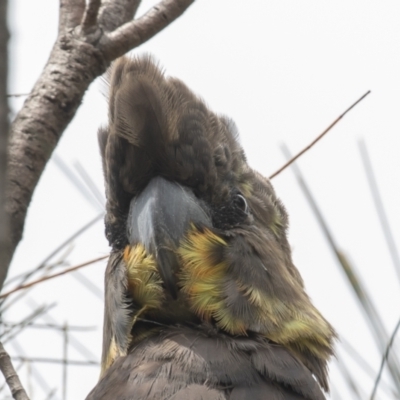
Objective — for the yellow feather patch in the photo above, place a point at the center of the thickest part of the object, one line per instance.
(144, 281)
(284, 323)
(203, 277)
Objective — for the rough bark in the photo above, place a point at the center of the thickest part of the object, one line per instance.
(4, 127)
(12, 379)
(85, 46)
(115, 13)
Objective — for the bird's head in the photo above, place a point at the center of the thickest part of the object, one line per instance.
(195, 224)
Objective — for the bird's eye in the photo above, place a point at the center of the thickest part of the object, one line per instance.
(242, 203)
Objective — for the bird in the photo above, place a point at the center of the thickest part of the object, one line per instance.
(202, 299)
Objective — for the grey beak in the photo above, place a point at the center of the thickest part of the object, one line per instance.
(159, 218)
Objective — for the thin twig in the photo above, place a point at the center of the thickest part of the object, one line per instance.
(12, 379)
(65, 362)
(89, 285)
(12, 332)
(43, 264)
(363, 364)
(347, 376)
(51, 326)
(59, 262)
(380, 208)
(28, 378)
(56, 361)
(90, 184)
(370, 311)
(384, 359)
(18, 95)
(15, 299)
(293, 159)
(81, 348)
(70, 174)
(41, 381)
(45, 278)
(51, 394)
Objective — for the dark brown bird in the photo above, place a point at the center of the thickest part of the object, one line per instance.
(202, 300)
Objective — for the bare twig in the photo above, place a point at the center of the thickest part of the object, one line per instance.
(134, 33)
(85, 190)
(51, 393)
(384, 360)
(13, 331)
(29, 378)
(12, 379)
(90, 184)
(363, 364)
(89, 285)
(293, 159)
(81, 348)
(18, 95)
(51, 326)
(380, 208)
(45, 278)
(349, 379)
(370, 312)
(65, 362)
(9, 302)
(56, 361)
(43, 264)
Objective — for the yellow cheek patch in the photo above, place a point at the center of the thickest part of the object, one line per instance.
(144, 281)
(203, 277)
(202, 272)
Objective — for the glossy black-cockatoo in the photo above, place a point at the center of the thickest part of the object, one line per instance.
(202, 300)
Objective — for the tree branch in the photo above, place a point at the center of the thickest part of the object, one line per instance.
(12, 379)
(114, 13)
(71, 12)
(77, 58)
(4, 128)
(136, 32)
(90, 18)
(36, 130)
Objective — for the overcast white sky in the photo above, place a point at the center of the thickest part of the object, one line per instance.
(283, 70)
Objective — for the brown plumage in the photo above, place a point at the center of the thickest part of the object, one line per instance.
(202, 298)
